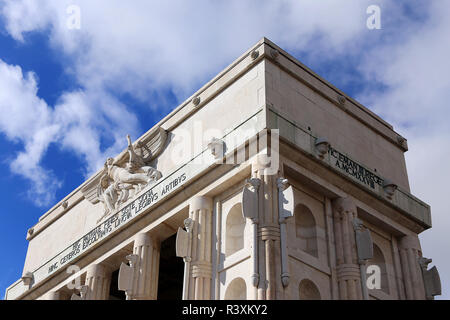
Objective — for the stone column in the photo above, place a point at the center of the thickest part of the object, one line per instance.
(54, 295)
(145, 282)
(270, 235)
(269, 228)
(98, 280)
(250, 204)
(200, 211)
(348, 271)
(409, 249)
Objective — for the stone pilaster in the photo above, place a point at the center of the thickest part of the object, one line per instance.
(200, 211)
(409, 249)
(269, 228)
(54, 295)
(98, 280)
(145, 282)
(347, 267)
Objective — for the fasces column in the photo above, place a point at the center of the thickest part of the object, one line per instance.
(348, 271)
(98, 280)
(269, 228)
(409, 248)
(147, 250)
(200, 211)
(54, 295)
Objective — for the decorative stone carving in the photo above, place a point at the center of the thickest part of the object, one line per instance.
(286, 199)
(200, 211)
(98, 281)
(274, 53)
(196, 101)
(348, 270)
(410, 252)
(182, 243)
(250, 211)
(322, 146)
(250, 198)
(27, 279)
(126, 275)
(285, 210)
(217, 148)
(82, 296)
(364, 249)
(364, 243)
(183, 250)
(342, 100)
(64, 204)
(254, 55)
(118, 183)
(145, 281)
(389, 188)
(431, 279)
(145, 151)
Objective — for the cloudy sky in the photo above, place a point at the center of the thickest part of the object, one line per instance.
(69, 95)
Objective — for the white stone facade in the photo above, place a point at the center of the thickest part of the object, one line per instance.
(275, 184)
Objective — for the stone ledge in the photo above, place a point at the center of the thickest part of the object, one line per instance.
(402, 201)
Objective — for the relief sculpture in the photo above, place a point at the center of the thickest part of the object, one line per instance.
(123, 178)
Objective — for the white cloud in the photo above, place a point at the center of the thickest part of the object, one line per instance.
(415, 71)
(27, 119)
(76, 123)
(139, 47)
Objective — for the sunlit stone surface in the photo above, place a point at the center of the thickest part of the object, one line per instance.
(283, 187)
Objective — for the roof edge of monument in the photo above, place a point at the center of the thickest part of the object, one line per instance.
(191, 105)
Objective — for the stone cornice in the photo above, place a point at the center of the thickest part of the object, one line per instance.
(402, 201)
(263, 49)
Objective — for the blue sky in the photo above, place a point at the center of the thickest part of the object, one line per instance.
(69, 96)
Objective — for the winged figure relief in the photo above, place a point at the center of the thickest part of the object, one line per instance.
(125, 177)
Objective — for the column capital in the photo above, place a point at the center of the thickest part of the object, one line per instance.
(410, 242)
(344, 206)
(200, 202)
(348, 272)
(98, 280)
(143, 239)
(202, 269)
(96, 270)
(54, 295)
(269, 232)
(260, 161)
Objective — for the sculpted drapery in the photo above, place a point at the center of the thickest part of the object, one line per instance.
(118, 183)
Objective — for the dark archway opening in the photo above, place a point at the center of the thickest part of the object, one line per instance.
(114, 292)
(171, 271)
